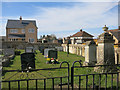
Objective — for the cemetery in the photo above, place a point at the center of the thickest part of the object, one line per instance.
(68, 66)
(37, 69)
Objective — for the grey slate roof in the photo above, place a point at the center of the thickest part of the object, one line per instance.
(116, 33)
(17, 24)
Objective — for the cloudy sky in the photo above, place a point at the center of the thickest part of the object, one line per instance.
(62, 18)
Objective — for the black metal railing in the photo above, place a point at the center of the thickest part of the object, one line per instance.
(27, 80)
(79, 79)
(93, 75)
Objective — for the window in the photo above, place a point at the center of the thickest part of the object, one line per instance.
(31, 30)
(31, 40)
(23, 30)
(23, 39)
(13, 31)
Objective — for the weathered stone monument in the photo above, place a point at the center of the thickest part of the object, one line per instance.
(90, 53)
(105, 52)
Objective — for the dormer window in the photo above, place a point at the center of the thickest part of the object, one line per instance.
(31, 30)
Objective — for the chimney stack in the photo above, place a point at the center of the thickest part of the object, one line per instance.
(119, 27)
(80, 30)
(20, 19)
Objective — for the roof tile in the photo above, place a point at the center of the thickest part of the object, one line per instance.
(17, 24)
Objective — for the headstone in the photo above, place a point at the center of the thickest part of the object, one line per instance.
(27, 61)
(52, 54)
(90, 53)
(9, 51)
(29, 49)
(46, 51)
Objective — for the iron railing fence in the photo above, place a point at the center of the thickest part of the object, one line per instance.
(81, 77)
(105, 76)
(38, 81)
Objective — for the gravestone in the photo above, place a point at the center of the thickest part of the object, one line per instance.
(29, 49)
(90, 53)
(105, 48)
(27, 61)
(9, 51)
(105, 53)
(52, 54)
(46, 51)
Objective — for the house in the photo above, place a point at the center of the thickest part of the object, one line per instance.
(116, 35)
(21, 30)
(48, 39)
(81, 37)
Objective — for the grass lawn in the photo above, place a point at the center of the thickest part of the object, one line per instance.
(40, 62)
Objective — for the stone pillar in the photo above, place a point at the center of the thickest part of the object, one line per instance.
(105, 53)
(83, 51)
(105, 48)
(66, 48)
(90, 53)
(80, 51)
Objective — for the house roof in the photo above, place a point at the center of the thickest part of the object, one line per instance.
(116, 33)
(17, 24)
(82, 34)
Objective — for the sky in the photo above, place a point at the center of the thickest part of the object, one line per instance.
(62, 18)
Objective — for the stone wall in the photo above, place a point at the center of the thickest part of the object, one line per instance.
(22, 45)
(78, 49)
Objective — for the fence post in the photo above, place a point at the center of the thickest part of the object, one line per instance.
(72, 73)
(72, 77)
(68, 70)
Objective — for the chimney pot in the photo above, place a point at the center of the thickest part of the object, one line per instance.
(20, 19)
(119, 27)
(80, 30)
